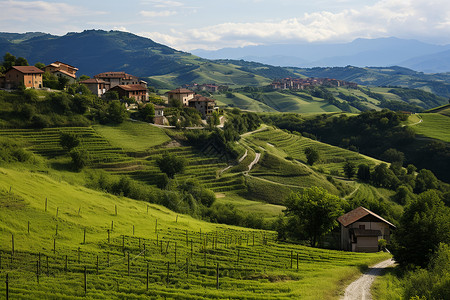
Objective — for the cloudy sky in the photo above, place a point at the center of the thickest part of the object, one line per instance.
(214, 24)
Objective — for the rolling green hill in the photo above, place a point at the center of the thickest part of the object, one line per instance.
(65, 241)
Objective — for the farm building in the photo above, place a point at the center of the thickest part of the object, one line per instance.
(361, 229)
(29, 76)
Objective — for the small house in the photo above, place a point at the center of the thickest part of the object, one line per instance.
(361, 229)
(159, 115)
(182, 95)
(134, 91)
(29, 76)
(62, 70)
(97, 86)
(119, 78)
(203, 104)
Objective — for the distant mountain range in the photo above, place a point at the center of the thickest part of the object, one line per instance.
(382, 52)
(95, 51)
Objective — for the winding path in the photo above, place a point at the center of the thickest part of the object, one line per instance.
(360, 288)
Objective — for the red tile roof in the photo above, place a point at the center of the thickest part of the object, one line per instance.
(357, 214)
(180, 91)
(200, 98)
(121, 75)
(28, 69)
(65, 73)
(94, 80)
(131, 87)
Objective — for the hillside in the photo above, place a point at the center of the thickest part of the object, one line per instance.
(95, 51)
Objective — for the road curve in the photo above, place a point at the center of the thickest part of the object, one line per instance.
(360, 288)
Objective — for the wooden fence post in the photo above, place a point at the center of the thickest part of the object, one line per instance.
(84, 236)
(66, 264)
(45, 203)
(109, 238)
(7, 286)
(97, 264)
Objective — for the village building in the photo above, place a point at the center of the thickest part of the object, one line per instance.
(203, 104)
(29, 76)
(302, 83)
(119, 78)
(62, 70)
(133, 91)
(361, 230)
(97, 86)
(159, 115)
(182, 95)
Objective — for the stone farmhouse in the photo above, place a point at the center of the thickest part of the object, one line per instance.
(29, 76)
(361, 230)
(62, 70)
(204, 105)
(137, 92)
(119, 78)
(97, 86)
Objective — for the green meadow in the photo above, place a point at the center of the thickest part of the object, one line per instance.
(53, 235)
(434, 125)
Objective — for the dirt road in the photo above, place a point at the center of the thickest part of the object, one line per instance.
(360, 288)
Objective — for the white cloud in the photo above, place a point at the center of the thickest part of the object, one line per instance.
(422, 19)
(163, 3)
(27, 11)
(153, 14)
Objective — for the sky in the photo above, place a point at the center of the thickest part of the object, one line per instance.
(213, 24)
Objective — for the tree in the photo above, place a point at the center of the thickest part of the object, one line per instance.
(393, 155)
(349, 169)
(170, 164)
(68, 140)
(312, 155)
(424, 224)
(312, 213)
(117, 113)
(363, 172)
(39, 65)
(84, 77)
(80, 158)
(147, 113)
(425, 180)
(20, 61)
(111, 95)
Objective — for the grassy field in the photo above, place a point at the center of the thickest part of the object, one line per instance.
(134, 136)
(434, 125)
(53, 235)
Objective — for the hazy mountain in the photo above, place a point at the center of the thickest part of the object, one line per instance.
(437, 62)
(361, 52)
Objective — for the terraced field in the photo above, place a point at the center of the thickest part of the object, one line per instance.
(62, 241)
(331, 158)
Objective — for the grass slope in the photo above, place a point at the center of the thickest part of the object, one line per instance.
(181, 254)
(434, 125)
(135, 136)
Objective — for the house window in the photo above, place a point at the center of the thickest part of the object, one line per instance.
(362, 227)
